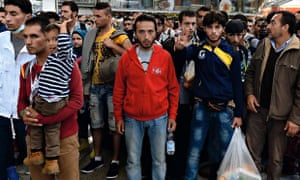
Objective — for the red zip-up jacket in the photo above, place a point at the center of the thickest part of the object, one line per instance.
(68, 115)
(145, 95)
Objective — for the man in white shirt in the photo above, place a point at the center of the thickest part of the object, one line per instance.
(13, 55)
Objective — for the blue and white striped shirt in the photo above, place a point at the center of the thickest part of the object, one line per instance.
(56, 74)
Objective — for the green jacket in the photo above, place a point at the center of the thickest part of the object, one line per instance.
(285, 97)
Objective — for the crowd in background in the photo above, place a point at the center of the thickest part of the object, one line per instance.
(246, 74)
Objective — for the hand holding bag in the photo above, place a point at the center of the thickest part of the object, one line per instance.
(189, 73)
(237, 163)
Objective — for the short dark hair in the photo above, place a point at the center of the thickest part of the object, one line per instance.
(297, 26)
(161, 18)
(270, 16)
(242, 18)
(47, 15)
(53, 15)
(2, 9)
(73, 6)
(288, 18)
(41, 21)
(225, 14)
(126, 18)
(89, 20)
(103, 5)
(214, 17)
(203, 8)
(187, 13)
(144, 17)
(51, 27)
(259, 19)
(24, 5)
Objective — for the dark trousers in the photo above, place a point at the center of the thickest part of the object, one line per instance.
(84, 120)
(176, 164)
(258, 131)
(7, 150)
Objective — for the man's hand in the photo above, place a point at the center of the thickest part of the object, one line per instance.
(29, 117)
(120, 127)
(171, 125)
(237, 122)
(181, 41)
(291, 128)
(64, 25)
(109, 43)
(252, 103)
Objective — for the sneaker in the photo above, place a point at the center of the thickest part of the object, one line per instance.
(22, 169)
(92, 166)
(113, 171)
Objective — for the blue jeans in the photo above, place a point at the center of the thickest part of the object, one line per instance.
(101, 97)
(215, 125)
(134, 133)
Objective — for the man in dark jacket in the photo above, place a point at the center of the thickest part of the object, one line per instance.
(272, 88)
(218, 95)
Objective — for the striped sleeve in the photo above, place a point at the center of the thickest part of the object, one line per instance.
(65, 49)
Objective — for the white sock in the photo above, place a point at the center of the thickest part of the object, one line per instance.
(98, 158)
(115, 161)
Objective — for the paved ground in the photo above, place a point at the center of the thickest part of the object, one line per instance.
(100, 174)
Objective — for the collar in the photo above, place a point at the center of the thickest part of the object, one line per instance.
(283, 46)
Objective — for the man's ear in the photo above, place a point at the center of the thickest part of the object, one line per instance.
(28, 16)
(74, 15)
(286, 27)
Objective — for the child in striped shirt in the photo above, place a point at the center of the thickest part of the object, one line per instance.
(49, 94)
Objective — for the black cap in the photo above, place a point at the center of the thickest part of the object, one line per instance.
(234, 26)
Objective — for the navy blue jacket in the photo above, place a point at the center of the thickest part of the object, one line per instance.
(214, 79)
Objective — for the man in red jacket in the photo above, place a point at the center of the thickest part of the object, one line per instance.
(145, 98)
(35, 41)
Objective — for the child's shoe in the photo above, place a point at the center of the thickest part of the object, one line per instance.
(51, 167)
(35, 158)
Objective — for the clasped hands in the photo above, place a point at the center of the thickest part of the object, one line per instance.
(30, 117)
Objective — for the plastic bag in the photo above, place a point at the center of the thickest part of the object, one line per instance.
(189, 73)
(237, 163)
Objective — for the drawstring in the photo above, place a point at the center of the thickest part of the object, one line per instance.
(12, 127)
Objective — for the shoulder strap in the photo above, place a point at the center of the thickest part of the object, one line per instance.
(25, 69)
(117, 33)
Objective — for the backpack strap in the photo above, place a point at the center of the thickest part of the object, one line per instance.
(117, 33)
(26, 68)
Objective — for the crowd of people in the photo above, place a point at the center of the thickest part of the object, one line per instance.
(199, 75)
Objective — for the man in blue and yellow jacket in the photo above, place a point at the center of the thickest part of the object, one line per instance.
(217, 89)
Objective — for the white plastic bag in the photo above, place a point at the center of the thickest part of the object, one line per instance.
(237, 163)
(190, 70)
(189, 73)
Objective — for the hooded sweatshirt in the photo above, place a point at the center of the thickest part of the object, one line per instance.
(145, 95)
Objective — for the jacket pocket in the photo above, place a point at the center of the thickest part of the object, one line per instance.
(140, 104)
(287, 73)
